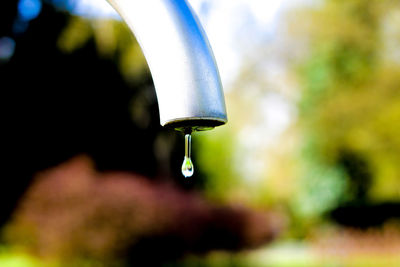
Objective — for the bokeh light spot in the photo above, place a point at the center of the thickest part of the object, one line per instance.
(29, 9)
(7, 47)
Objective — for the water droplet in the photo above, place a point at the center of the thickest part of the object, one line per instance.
(187, 165)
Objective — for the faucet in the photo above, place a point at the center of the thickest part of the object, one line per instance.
(181, 62)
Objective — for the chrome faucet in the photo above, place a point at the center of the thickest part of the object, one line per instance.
(183, 68)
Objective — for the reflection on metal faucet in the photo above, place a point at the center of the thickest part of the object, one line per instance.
(181, 62)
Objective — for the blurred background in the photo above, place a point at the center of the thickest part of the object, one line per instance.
(305, 173)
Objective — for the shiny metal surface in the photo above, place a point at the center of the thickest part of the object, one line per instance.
(180, 59)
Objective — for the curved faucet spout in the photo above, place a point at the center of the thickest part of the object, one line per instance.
(184, 71)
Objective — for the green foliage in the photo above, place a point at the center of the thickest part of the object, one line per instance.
(113, 39)
(321, 187)
(350, 105)
(215, 157)
(20, 258)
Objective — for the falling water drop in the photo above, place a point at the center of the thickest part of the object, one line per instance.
(187, 165)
